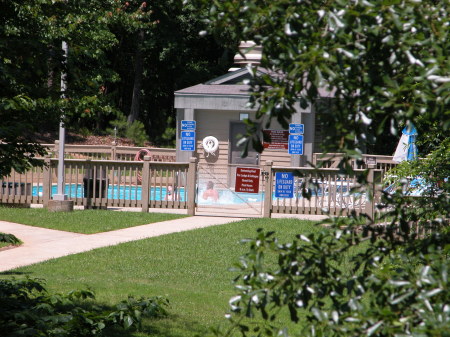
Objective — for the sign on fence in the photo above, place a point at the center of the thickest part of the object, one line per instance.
(247, 180)
(284, 185)
(187, 141)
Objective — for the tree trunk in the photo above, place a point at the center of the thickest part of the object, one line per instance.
(138, 71)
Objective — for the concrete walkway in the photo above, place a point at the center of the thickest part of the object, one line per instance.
(41, 244)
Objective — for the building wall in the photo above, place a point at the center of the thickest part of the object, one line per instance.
(217, 123)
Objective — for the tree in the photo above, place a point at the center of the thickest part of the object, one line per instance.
(173, 55)
(386, 61)
(31, 62)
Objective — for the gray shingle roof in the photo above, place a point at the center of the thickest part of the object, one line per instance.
(233, 89)
(216, 89)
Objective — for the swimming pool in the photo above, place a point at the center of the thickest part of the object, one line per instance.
(226, 197)
(113, 192)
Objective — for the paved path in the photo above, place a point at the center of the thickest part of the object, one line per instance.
(41, 244)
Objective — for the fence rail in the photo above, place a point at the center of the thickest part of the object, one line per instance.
(110, 152)
(330, 192)
(168, 185)
(103, 183)
(331, 160)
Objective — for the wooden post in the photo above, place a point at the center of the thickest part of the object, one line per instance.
(268, 175)
(191, 185)
(370, 203)
(47, 180)
(146, 184)
(56, 149)
(113, 150)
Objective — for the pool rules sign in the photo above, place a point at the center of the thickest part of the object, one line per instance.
(247, 180)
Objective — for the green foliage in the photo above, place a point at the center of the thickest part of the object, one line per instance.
(17, 151)
(389, 288)
(28, 310)
(386, 63)
(9, 238)
(136, 132)
(119, 125)
(129, 312)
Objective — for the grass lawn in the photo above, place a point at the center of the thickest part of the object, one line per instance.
(190, 268)
(82, 221)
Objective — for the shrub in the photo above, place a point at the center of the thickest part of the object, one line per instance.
(28, 310)
(393, 285)
(9, 238)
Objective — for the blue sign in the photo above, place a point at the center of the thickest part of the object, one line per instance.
(295, 144)
(296, 128)
(188, 125)
(187, 141)
(284, 185)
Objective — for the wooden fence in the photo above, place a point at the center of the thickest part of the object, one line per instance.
(151, 184)
(330, 192)
(331, 160)
(110, 152)
(105, 183)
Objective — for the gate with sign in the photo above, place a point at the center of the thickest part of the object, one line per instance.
(229, 190)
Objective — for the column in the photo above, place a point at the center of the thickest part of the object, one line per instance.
(183, 114)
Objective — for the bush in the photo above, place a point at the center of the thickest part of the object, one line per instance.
(9, 238)
(136, 132)
(28, 310)
(390, 286)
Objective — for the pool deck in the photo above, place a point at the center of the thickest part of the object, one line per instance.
(41, 244)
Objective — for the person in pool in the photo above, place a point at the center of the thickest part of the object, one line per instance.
(210, 192)
(169, 194)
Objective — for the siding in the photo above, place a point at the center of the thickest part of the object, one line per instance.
(217, 123)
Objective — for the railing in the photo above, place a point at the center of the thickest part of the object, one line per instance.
(330, 192)
(149, 184)
(331, 160)
(104, 183)
(110, 152)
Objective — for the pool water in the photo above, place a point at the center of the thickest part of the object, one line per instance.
(113, 192)
(226, 197)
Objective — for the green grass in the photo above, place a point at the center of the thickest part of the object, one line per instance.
(190, 268)
(82, 221)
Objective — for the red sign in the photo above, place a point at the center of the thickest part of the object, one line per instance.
(247, 180)
(278, 139)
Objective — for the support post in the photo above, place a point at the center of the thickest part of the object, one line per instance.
(114, 150)
(47, 180)
(191, 185)
(268, 176)
(146, 184)
(370, 203)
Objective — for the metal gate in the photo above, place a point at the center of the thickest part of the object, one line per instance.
(218, 192)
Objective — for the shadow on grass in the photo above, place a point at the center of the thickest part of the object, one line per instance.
(174, 326)
(12, 272)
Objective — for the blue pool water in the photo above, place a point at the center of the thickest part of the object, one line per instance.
(156, 193)
(226, 197)
(113, 192)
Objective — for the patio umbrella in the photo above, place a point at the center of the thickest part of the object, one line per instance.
(406, 148)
